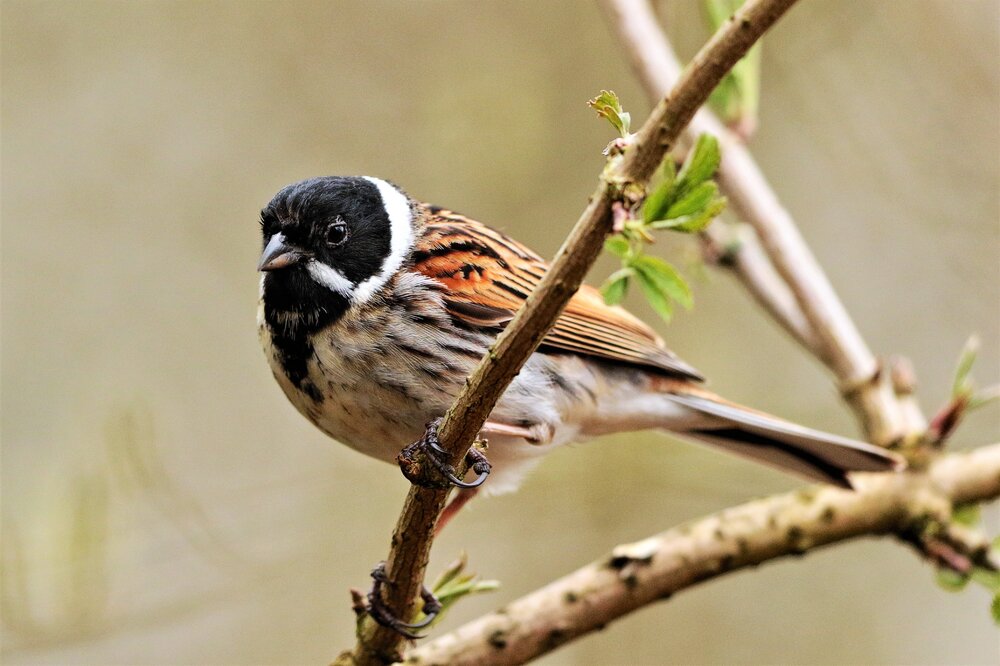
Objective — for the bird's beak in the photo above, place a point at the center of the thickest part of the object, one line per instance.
(279, 254)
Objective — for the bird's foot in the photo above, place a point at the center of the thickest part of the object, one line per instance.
(385, 617)
(438, 473)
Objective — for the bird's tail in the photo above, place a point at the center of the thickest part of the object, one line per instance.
(767, 439)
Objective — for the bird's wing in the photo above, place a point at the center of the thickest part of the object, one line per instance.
(487, 276)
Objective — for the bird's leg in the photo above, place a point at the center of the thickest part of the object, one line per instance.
(384, 616)
(428, 449)
(460, 499)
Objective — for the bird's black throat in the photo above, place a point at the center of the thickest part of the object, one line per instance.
(296, 308)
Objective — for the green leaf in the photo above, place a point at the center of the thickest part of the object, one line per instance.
(983, 397)
(966, 514)
(951, 580)
(693, 223)
(454, 583)
(452, 571)
(656, 298)
(700, 165)
(666, 278)
(718, 11)
(616, 286)
(690, 194)
(608, 106)
(462, 587)
(737, 97)
(660, 197)
(694, 201)
(667, 172)
(657, 203)
(995, 609)
(988, 578)
(962, 386)
(617, 245)
(725, 99)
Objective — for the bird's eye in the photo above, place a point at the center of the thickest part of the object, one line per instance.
(268, 222)
(336, 233)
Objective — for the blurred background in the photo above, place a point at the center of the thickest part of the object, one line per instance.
(164, 504)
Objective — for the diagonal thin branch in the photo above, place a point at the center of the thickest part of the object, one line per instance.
(623, 179)
(738, 249)
(638, 574)
(829, 332)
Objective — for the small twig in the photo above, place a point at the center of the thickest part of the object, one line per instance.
(949, 545)
(625, 177)
(904, 384)
(642, 573)
(833, 337)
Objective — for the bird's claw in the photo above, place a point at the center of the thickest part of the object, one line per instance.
(438, 458)
(384, 616)
(475, 458)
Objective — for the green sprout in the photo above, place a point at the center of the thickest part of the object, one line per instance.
(684, 201)
(454, 583)
(608, 106)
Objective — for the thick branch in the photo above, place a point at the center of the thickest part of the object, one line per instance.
(413, 534)
(641, 573)
(829, 332)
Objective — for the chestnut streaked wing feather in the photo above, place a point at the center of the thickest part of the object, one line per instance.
(488, 275)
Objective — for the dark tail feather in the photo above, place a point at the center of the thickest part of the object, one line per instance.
(812, 454)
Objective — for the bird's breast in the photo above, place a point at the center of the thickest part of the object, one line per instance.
(374, 378)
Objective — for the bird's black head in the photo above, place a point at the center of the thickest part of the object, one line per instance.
(329, 243)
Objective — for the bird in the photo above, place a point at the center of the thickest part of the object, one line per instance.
(375, 307)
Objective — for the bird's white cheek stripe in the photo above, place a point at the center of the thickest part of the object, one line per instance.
(397, 208)
(330, 278)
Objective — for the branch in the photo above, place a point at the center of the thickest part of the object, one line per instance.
(641, 573)
(739, 250)
(819, 321)
(624, 176)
